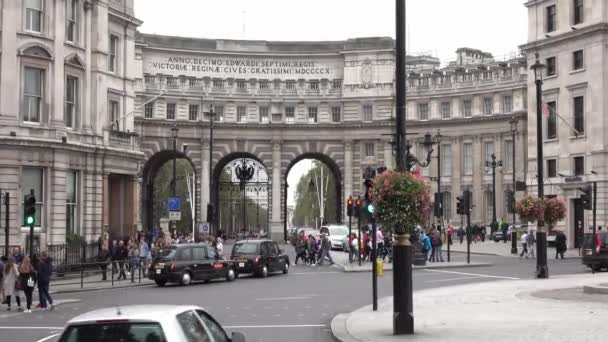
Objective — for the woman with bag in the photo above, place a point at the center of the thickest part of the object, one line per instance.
(27, 277)
(11, 283)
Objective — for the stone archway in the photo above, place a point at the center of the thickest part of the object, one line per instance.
(150, 170)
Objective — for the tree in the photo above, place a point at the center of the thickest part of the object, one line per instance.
(230, 215)
(162, 192)
(307, 202)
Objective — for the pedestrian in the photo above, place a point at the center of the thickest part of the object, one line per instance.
(219, 247)
(483, 232)
(133, 259)
(380, 243)
(18, 255)
(531, 244)
(461, 234)
(11, 283)
(524, 245)
(3, 261)
(325, 248)
(426, 244)
(122, 254)
(560, 244)
(103, 259)
(114, 256)
(143, 254)
(314, 250)
(45, 268)
(354, 247)
(438, 248)
(27, 278)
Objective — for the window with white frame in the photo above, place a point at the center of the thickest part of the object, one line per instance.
(579, 114)
(507, 103)
(149, 79)
(446, 110)
(368, 113)
(171, 111)
(113, 54)
(71, 101)
(336, 114)
(192, 83)
(219, 114)
(264, 114)
(446, 204)
(291, 85)
(578, 60)
(446, 160)
(241, 84)
(369, 150)
(218, 84)
(264, 85)
(71, 203)
(241, 114)
(290, 116)
(467, 108)
(467, 151)
(34, 15)
(488, 105)
(423, 111)
(149, 110)
(33, 179)
(171, 81)
(579, 12)
(336, 84)
(578, 165)
(551, 130)
(488, 204)
(114, 114)
(507, 157)
(551, 18)
(33, 94)
(71, 30)
(489, 150)
(313, 85)
(312, 115)
(192, 112)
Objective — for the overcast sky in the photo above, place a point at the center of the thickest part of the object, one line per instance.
(436, 27)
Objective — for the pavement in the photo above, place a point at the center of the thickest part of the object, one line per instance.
(489, 247)
(508, 310)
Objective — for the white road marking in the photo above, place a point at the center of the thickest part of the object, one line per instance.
(451, 279)
(282, 298)
(274, 326)
(315, 273)
(473, 274)
(47, 338)
(30, 328)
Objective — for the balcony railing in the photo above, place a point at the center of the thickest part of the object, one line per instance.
(120, 139)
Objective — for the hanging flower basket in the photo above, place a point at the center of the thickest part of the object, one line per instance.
(530, 208)
(401, 199)
(555, 210)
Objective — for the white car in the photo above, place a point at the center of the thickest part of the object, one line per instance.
(147, 323)
(336, 234)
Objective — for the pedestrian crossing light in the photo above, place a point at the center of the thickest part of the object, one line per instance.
(29, 211)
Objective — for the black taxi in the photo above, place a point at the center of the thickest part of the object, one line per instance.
(259, 257)
(185, 263)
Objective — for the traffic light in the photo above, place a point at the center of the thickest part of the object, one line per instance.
(437, 212)
(349, 206)
(209, 213)
(358, 207)
(510, 201)
(587, 197)
(467, 196)
(29, 210)
(460, 205)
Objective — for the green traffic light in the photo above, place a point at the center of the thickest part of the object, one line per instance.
(370, 208)
(30, 220)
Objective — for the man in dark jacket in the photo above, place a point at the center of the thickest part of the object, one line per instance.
(103, 259)
(45, 269)
(560, 244)
(121, 255)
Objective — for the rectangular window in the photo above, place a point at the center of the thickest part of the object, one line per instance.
(277, 117)
(32, 94)
(313, 85)
(171, 111)
(488, 204)
(551, 120)
(192, 82)
(264, 85)
(467, 108)
(579, 114)
(489, 151)
(71, 33)
(312, 114)
(423, 111)
(336, 114)
(149, 110)
(291, 85)
(369, 150)
(34, 10)
(467, 149)
(446, 202)
(368, 113)
(507, 104)
(114, 114)
(264, 114)
(578, 60)
(113, 53)
(71, 101)
(219, 114)
(446, 110)
(551, 168)
(241, 84)
(192, 112)
(241, 114)
(507, 157)
(446, 159)
(149, 79)
(33, 179)
(171, 82)
(336, 84)
(218, 84)
(71, 203)
(551, 66)
(290, 115)
(579, 12)
(488, 105)
(551, 18)
(579, 165)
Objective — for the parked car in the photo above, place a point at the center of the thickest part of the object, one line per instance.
(259, 257)
(144, 323)
(336, 234)
(600, 259)
(185, 263)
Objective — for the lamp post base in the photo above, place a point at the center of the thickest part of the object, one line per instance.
(513, 242)
(403, 312)
(542, 270)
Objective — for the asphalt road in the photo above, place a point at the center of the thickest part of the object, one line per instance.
(294, 307)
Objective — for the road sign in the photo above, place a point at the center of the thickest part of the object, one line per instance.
(203, 227)
(175, 215)
(173, 204)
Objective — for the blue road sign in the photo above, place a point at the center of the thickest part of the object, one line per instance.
(173, 203)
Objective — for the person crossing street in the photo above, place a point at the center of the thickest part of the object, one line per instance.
(325, 248)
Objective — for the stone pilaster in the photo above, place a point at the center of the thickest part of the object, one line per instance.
(276, 225)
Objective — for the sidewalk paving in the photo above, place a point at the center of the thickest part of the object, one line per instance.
(490, 247)
(510, 310)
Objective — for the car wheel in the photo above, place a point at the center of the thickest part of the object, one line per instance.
(230, 275)
(285, 268)
(160, 283)
(597, 268)
(186, 279)
(264, 271)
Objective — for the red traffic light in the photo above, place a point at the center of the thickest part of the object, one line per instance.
(349, 201)
(358, 202)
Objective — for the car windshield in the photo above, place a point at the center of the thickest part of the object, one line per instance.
(114, 332)
(245, 248)
(167, 253)
(338, 231)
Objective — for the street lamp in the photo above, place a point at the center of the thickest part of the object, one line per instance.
(494, 164)
(542, 271)
(211, 116)
(513, 123)
(174, 131)
(411, 160)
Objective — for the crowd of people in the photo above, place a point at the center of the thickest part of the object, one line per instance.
(312, 251)
(20, 276)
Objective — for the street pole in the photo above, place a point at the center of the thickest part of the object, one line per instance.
(374, 265)
(174, 180)
(594, 214)
(6, 220)
(513, 232)
(439, 191)
(468, 232)
(494, 223)
(211, 115)
(359, 238)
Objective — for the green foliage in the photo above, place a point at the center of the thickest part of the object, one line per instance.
(307, 202)
(162, 192)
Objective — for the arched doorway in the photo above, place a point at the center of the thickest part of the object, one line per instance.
(323, 173)
(241, 196)
(157, 187)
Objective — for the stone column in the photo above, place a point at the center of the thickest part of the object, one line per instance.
(348, 173)
(205, 189)
(478, 174)
(276, 226)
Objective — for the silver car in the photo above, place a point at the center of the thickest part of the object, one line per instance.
(336, 234)
(147, 323)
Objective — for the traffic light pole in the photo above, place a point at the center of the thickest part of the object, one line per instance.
(594, 215)
(6, 219)
(359, 237)
(468, 232)
(374, 265)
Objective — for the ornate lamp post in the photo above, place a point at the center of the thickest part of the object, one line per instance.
(513, 123)
(542, 271)
(244, 174)
(493, 164)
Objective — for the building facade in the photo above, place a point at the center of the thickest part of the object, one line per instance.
(569, 37)
(66, 81)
